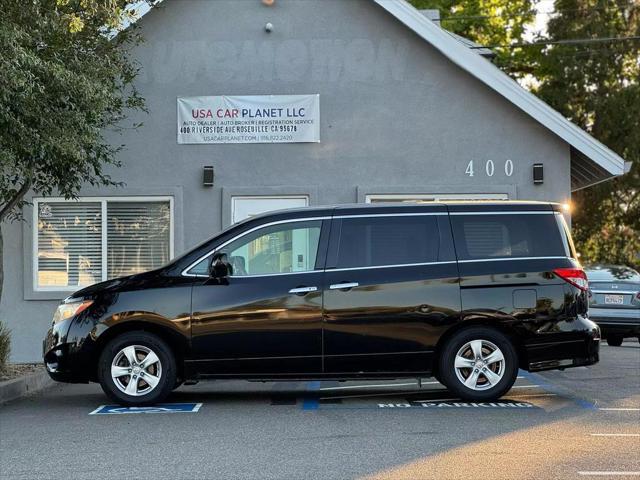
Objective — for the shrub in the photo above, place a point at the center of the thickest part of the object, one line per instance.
(5, 347)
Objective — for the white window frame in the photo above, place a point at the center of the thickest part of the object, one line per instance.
(103, 244)
(263, 197)
(436, 197)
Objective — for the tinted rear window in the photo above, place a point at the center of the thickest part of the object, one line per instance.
(377, 241)
(613, 274)
(506, 236)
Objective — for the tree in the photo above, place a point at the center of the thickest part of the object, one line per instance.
(498, 24)
(67, 79)
(596, 84)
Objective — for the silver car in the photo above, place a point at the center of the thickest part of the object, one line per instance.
(614, 301)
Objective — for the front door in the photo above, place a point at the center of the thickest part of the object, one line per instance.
(391, 290)
(266, 318)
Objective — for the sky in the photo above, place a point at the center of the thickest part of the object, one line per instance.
(542, 17)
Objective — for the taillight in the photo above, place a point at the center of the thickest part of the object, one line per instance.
(574, 276)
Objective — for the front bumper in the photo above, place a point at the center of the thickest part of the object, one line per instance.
(58, 355)
(577, 345)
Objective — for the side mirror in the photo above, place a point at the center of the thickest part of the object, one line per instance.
(220, 266)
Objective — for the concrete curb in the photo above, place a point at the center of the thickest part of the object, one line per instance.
(21, 386)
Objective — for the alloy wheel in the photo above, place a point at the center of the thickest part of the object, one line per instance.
(479, 365)
(136, 370)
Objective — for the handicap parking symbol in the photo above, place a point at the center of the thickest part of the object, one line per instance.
(159, 408)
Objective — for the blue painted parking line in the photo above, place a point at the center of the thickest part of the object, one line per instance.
(159, 408)
(550, 388)
(311, 400)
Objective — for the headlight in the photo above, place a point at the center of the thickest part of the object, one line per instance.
(68, 310)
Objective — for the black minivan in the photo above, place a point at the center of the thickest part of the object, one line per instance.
(465, 292)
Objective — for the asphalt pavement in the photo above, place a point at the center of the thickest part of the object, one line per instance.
(578, 423)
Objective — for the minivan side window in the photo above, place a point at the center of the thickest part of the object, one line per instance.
(287, 248)
(380, 241)
(274, 249)
(506, 236)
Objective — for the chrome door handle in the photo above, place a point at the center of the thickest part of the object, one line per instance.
(300, 290)
(343, 286)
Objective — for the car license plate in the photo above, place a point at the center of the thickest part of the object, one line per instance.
(614, 299)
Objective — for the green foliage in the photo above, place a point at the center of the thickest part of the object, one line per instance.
(597, 86)
(65, 82)
(5, 347)
(492, 23)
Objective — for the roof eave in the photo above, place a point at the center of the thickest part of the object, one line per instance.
(494, 78)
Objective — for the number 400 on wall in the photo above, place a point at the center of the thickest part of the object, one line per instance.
(490, 168)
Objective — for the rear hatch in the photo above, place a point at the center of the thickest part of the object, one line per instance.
(615, 294)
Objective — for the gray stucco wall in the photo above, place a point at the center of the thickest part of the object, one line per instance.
(396, 117)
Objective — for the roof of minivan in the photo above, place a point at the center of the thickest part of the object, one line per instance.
(391, 208)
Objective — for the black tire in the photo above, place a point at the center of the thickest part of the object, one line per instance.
(164, 368)
(490, 338)
(614, 340)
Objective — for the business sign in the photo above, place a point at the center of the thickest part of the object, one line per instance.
(249, 119)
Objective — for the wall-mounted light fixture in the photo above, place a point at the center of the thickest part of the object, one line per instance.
(268, 3)
(538, 173)
(207, 176)
(268, 27)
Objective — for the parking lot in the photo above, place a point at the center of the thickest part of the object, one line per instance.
(579, 423)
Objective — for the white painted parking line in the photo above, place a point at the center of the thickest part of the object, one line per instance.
(385, 394)
(349, 387)
(539, 395)
(615, 434)
(352, 387)
(620, 409)
(526, 386)
(435, 400)
(610, 474)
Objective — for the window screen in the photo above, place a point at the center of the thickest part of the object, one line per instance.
(74, 237)
(69, 244)
(505, 236)
(137, 237)
(378, 241)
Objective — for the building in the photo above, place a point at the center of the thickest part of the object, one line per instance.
(386, 105)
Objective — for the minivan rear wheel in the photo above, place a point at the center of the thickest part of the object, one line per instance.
(478, 364)
(137, 368)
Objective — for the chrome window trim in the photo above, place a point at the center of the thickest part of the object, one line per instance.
(514, 212)
(185, 272)
(373, 215)
(397, 265)
(504, 259)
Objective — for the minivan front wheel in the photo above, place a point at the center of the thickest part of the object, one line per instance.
(137, 368)
(478, 364)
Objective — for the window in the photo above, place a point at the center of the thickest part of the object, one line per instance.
(433, 197)
(379, 241)
(505, 236)
(83, 242)
(274, 249)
